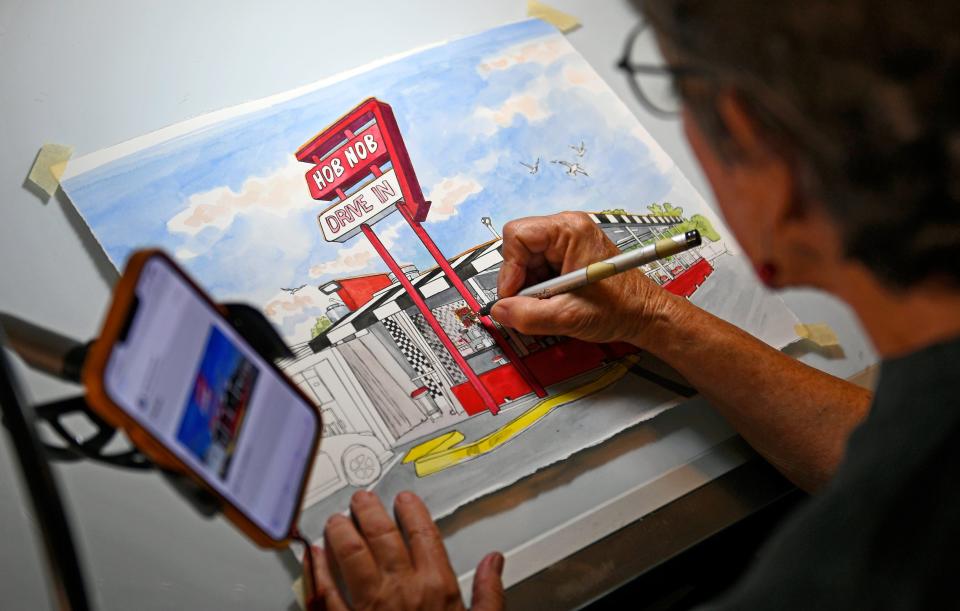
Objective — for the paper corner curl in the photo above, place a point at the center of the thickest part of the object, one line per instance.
(49, 166)
(819, 333)
(565, 22)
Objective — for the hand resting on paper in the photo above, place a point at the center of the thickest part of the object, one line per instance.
(798, 418)
(622, 308)
(400, 565)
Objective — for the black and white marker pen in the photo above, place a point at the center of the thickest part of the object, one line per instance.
(595, 272)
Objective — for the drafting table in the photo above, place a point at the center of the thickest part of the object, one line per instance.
(94, 74)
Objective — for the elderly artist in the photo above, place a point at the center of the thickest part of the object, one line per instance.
(830, 134)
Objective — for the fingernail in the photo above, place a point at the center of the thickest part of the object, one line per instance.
(362, 496)
(405, 497)
(335, 519)
(500, 312)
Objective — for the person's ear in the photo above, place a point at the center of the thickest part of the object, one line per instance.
(763, 172)
(745, 135)
(794, 231)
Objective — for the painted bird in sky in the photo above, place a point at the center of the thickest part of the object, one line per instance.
(579, 150)
(533, 169)
(572, 168)
(294, 291)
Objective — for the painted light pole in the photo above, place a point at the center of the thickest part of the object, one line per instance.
(489, 225)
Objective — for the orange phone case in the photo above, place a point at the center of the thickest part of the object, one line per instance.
(93, 371)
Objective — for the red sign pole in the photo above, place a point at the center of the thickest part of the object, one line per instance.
(354, 147)
(428, 315)
(454, 279)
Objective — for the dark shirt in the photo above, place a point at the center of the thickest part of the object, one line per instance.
(885, 532)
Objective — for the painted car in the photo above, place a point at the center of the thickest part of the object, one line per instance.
(352, 459)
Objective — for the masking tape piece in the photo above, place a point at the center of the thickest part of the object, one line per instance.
(819, 333)
(49, 165)
(565, 22)
(438, 461)
(57, 170)
(437, 444)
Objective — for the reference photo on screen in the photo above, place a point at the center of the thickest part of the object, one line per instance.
(217, 404)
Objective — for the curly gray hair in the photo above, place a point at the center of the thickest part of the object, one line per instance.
(862, 96)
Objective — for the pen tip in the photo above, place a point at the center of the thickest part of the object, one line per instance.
(693, 237)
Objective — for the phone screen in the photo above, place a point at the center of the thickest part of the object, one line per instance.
(188, 378)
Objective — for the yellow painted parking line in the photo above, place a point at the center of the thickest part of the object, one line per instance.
(437, 444)
(438, 460)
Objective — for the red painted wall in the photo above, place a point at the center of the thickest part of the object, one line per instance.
(502, 382)
(357, 291)
(551, 365)
(564, 360)
(686, 283)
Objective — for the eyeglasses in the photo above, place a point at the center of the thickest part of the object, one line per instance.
(655, 85)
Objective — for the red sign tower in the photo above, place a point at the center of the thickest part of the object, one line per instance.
(363, 153)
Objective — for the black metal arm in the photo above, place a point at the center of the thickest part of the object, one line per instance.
(63, 564)
(63, 357)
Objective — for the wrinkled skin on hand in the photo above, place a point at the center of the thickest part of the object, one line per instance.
(624, 307)
(384, 565)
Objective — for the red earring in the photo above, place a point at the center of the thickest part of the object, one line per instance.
(767, 272)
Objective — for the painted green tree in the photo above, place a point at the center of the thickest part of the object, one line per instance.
(704, 226)
(697, 221)
(323, 323)
(665, 209)
(671, 210)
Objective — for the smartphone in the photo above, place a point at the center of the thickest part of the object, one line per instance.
(193, 395)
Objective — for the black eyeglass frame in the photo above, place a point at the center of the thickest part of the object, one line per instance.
(632, 69)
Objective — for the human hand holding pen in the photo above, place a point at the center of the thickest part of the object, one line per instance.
(400, 565)
(626, 307)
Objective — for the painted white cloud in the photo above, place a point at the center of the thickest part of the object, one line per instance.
(487, 162)
(523, 104)
(528, 103)
(447, 195)
(543, 52)
(296, 314)
(358, 256)
(278, 193)
(257, 257)
(185, 254)
(284, 304)
(580, 74)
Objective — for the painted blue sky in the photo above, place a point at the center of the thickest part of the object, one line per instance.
(230, 201)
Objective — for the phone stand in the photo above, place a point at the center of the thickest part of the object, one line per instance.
(63, 357)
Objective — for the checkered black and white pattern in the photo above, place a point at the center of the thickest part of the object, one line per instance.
(447, 317)
(634, 219)
(438, 349)
(417, 359)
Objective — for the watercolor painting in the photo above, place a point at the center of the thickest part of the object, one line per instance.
(363, 215)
